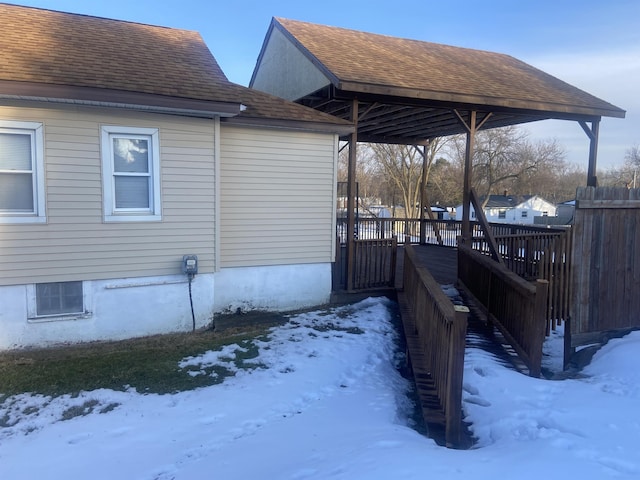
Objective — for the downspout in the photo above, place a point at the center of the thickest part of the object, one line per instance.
(216, 208)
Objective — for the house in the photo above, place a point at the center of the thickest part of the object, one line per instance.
(123, 148)
(564, 213)
(518, 209)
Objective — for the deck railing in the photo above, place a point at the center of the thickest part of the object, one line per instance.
(532, 252)
(537, 253)
(436, 232)
(517, 307)
(375, 263)
(521, 247)
(435, 334)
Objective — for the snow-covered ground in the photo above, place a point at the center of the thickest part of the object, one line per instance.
(331, 404)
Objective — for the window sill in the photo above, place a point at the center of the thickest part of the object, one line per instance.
(132, 218)
(65, 317)
(22, 220)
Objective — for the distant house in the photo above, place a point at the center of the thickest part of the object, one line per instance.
(564, 213)
(123, 147)
(518, 209)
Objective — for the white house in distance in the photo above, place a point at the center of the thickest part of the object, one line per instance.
(123, 147)
(518, 209)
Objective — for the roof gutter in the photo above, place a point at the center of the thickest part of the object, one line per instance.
(340, 129)
(99, 97)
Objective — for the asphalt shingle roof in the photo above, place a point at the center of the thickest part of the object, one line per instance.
(358, 61)
(505, 201)
(54, 49)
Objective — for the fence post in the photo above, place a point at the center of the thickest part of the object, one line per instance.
(453, 422)
(540, 324)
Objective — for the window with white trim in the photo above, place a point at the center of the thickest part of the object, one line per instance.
(59, 298)
(525, 213)
(502, 214)
(55, 301)
(131, 174)
(21, 172)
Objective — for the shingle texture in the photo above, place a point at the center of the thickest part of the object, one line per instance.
(63, 49)
(372, 59)
(55, 48)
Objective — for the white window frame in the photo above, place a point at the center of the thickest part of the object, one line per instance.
(32, 306)
(111, 213)
(35, 130)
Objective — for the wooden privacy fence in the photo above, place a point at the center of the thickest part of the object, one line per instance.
(606, 265)
(515, 306)
(555, 267)
(435, 334)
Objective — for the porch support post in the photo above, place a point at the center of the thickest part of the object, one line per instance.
(423, 195)
(351, 196)
(472, 126)
(592, 133)
(468, 171)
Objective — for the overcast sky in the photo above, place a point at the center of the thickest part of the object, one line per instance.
(592, 44)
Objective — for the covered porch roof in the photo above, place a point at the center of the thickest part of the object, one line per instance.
(409, 91)
(403, 91)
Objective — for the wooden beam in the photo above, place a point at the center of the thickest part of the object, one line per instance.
(371, 107)
(424, 200)
(423, 193)
(593, 133)
(468, 172)
(486, 228)
(472, 126)
(351, 192)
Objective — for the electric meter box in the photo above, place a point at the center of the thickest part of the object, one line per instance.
(190, 264)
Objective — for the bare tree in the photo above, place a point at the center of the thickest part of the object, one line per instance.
(627, 175)
(633, 156)
(445, 182)
(632, 162)
(402, 167)
(365, 172)
(505, 159)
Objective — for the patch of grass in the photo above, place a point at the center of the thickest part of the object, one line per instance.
(30, 410)
(108, 408)
(5, 421)
(150, 365)
(79, 410)
(331, 327)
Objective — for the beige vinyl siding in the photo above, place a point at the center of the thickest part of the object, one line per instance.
(277, 197)
(75, 243)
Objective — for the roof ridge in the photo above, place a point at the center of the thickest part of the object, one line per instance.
(394, 38)
(97, 17)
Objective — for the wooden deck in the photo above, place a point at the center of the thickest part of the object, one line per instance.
(442, 263)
